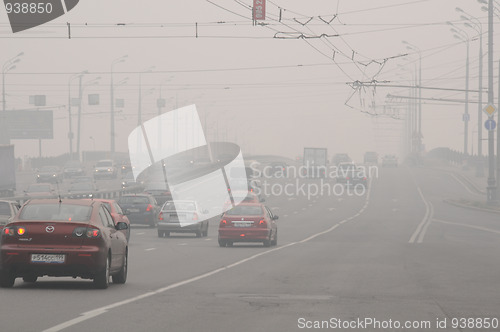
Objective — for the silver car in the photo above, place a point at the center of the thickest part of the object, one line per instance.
(8, 209)
(182, 217)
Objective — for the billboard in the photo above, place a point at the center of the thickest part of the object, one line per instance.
(28, 124)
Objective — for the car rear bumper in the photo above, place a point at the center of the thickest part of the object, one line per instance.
(141, 218)
(178, 228)
(244, 234)
(82, 262)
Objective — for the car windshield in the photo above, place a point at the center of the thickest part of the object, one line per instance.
(104, 164)
(245, 210)
(56, 212)
(133, 200)
(180, 206)
(73, 163)
(47, 169)
(4, 209)
(82, 186)
(37, 188)
(83, 179)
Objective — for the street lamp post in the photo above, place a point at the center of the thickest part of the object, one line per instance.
(491, 189)
(139, 111)
(112, 119)
(7, 66)
(70, 132)
(81, 87)
(419, 114)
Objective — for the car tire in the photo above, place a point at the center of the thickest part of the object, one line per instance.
(167, 234)
(30, 279)
(275, 241)
(229, 243)
(267, 243)
(198, 233)
(7, 279)
(222, 243)
(161, 233)
(121, 276)
(205, 233)
(101, 279)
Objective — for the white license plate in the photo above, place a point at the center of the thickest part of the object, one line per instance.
(133, 210)
(48, 258)
(242, 224)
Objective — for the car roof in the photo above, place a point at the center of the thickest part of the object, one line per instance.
(82, 202)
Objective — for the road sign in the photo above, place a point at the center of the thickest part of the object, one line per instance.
(466, 117)
(490, 109)
(490, 124)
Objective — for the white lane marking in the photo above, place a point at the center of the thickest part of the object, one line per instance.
(142, 233)
(303, 209)
(463, 184)
(150, 249)
(275, 208)
(295, 212)
(286, 215)
(208, 239)
(331, 209)
(468, 226)
(182, 244)
(394, 210)
(102, 310)
(310, 205)
(422, 227)
(291, 198)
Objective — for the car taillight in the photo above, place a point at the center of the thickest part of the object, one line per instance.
(160, 216)
(223, 223)
(87, 231)
(262, 223)
(149, 208)
(347, 178)
(364, 178)
(21, 231)
(9, 231)
(195, 216)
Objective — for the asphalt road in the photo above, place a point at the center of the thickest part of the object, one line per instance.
(398, 253)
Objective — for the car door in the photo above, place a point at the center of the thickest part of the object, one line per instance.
(117, 238)
(271, 222)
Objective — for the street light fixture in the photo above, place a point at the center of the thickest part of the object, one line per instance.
(7, 66)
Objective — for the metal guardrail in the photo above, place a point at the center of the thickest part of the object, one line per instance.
(104, 194)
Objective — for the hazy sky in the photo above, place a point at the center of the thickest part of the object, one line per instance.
(264, 87)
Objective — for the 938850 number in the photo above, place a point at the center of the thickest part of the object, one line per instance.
(29, 8)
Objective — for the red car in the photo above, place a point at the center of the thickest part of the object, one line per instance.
(248, 222)
(117, 214)
(63, 238)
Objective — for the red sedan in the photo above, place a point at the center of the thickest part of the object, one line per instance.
(248, 222)
(64, 238)
(117, 213)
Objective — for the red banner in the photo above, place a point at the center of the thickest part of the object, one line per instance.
(259, 10)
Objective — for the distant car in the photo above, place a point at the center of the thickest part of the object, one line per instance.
(105, 169)
(125, 167)
(40, 189)
(344, 170)
(140, 208)
(80, 179)
(82, 190)
(117, 214)
(68, 238)
(182, 217)
(248, 222)
(341, 158)
(390, 160)
(8, 210)
(128, 180)
(50, 174)
(370, 157)
(357, 177)
(159, 190)
(73, 168)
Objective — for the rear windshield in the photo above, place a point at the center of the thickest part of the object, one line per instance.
(82, 186)
(104, 164)
(49, 169)
(39, 188)
(245, 210)
(56, 212)
(133, 200)
(181, 206)
(4, 209)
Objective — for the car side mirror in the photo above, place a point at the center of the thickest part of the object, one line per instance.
(126, 212)
(121, 226)
(275, 217)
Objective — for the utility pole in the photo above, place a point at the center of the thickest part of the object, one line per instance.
(80, 93)
(491, 189)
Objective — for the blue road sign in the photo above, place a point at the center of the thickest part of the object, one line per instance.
(490, 124)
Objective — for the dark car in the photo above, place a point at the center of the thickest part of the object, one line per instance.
(73, 168)
(8, 210)
(140, 208)
(341, 158)
(68, 238)
(82, 190)
(182, 217)
(370, 157)
(357, 177)
(159, 190)
(48, 174)
(248, 222)
(390, 160)
(344, 171)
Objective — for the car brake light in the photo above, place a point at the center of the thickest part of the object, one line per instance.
(262, 223)
(364, 178)
(87, 231)
(92, 232)
(8, 231)
(195, 216)
(223, 223)
(347, 178)
(21, 231)
(149, 208)
(160, 216)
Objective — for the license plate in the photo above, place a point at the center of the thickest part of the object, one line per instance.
(242, 223)
(133, 210)
(48, 258)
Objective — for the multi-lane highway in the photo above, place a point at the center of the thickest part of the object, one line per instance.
(398, 254)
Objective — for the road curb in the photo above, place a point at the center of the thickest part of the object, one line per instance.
(470, 207)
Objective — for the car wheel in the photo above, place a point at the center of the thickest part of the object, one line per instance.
(275, 241)
(167, 234)
(30, 279)
(229, 243)
(7, 279)
(222, 243)
(121, 276)
(267, 243)
(161, 233)
(101, 279)
(198, 233)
